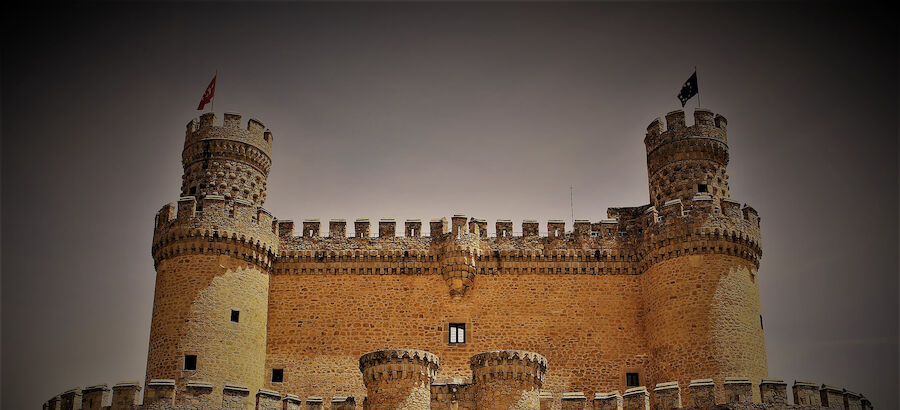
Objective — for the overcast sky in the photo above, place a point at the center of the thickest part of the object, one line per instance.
(425, 110)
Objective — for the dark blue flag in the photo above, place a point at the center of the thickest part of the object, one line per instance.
(689, 89)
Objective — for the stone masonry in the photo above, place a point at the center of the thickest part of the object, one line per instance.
(659, 302)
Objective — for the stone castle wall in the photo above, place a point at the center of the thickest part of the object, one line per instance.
(667, 291)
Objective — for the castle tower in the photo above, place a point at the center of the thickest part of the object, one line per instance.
(508, 379)
(213, 252)
(682, 161)
(700, 257)
(398, 379)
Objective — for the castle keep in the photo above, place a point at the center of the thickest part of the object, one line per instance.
(657, 306)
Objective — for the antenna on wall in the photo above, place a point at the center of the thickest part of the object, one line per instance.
(571, 203)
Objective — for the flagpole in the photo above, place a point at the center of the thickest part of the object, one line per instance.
(698, 89)
(216, 76)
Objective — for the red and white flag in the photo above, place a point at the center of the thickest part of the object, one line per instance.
(209, 94)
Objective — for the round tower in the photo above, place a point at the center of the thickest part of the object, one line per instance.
(700, 257)
(398, 379)
(508, 379)
(684, 162)
(213, 251)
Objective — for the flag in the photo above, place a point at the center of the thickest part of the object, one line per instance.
(209, 93)
(689, 89)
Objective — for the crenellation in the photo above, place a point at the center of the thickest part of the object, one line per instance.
(806, 393)
(413, 228)
(160, 393)
(310, 228)
(773, 392)
(268, 400)
(831, 397)
(504, 228)
(556, 229)
(95, 397)
(738, 390)
(457, 224)
(665, 291)
(852, 400)
(667, 396)
(529, 228)
(235, 397)
(361, 228)
(337, 228)
(70, 399)
(636, 398)
(702, 393)
(573, 400)
(126, 396)
(387, 228)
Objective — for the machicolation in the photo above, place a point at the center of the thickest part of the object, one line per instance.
(656, 306)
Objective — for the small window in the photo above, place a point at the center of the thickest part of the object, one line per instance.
(702, 188)
(457, 333)
(190, 362)
(235, 316)
(631, 380)
(277, 375)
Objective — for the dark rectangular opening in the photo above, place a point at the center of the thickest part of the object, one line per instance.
(702, 188)
(457, 333)
(190, 362)
(235, 316)
(631, 380)
(277, 375)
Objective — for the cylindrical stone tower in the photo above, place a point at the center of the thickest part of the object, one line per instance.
(701, 253)
(685, 161)
(398, 378)
(213, 252)
(508, 379)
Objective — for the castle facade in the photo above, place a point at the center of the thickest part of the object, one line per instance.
(658, 305)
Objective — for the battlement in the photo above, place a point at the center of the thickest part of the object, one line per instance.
(706, 126)
(508, 364)
(233, 227)
(205, 128)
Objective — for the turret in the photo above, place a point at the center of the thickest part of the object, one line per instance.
(700, 259)
(229, 160)
(213, 251)
(686, 161)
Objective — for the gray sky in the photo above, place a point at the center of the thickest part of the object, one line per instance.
(425, 110)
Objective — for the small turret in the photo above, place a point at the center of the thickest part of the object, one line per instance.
(684, 161)
(227, 160)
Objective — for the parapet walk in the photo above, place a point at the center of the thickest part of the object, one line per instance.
(738, 392)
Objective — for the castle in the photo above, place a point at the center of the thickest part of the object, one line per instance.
(657, 306)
